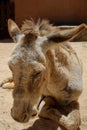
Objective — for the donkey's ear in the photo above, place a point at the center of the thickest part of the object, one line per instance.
(62, 36)
(66, 35)
(13, 30)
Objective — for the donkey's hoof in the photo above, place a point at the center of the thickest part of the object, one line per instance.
(8, 85)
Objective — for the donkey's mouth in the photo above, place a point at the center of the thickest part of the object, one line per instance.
(22, 118)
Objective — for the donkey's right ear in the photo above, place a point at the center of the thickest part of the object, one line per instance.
(13, 30)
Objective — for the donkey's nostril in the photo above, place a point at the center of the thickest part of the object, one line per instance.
(25, 117)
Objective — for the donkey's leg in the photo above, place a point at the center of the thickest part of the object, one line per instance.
(47, 110)
(7, 83)
(73, 120)
(70, 121)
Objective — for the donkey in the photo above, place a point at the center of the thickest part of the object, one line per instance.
(46, 66)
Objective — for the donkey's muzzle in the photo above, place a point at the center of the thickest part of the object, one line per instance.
(20, 117)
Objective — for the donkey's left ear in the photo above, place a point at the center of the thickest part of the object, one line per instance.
(66, 35)
(62, 36)
(13, 30)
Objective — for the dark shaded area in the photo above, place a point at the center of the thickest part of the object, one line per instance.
(45, 124)
(7, 9)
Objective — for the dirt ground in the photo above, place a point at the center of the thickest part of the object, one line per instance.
(6, 121)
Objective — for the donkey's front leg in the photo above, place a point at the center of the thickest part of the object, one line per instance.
(73, 120)
(47, 110)
(7, 83)
(70, 122)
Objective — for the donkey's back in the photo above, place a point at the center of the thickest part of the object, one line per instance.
(65, 74)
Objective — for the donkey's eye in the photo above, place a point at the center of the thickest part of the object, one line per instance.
(36, 79)
(37, 74)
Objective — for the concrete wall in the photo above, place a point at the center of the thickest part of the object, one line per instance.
(59, 11)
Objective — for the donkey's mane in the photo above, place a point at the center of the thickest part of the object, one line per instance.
(29, 26)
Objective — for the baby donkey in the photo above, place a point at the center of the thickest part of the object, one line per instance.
(46, 66)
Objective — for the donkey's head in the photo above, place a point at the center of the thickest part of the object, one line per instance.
(28, 65)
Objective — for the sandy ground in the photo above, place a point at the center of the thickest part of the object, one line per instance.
(6, 121)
